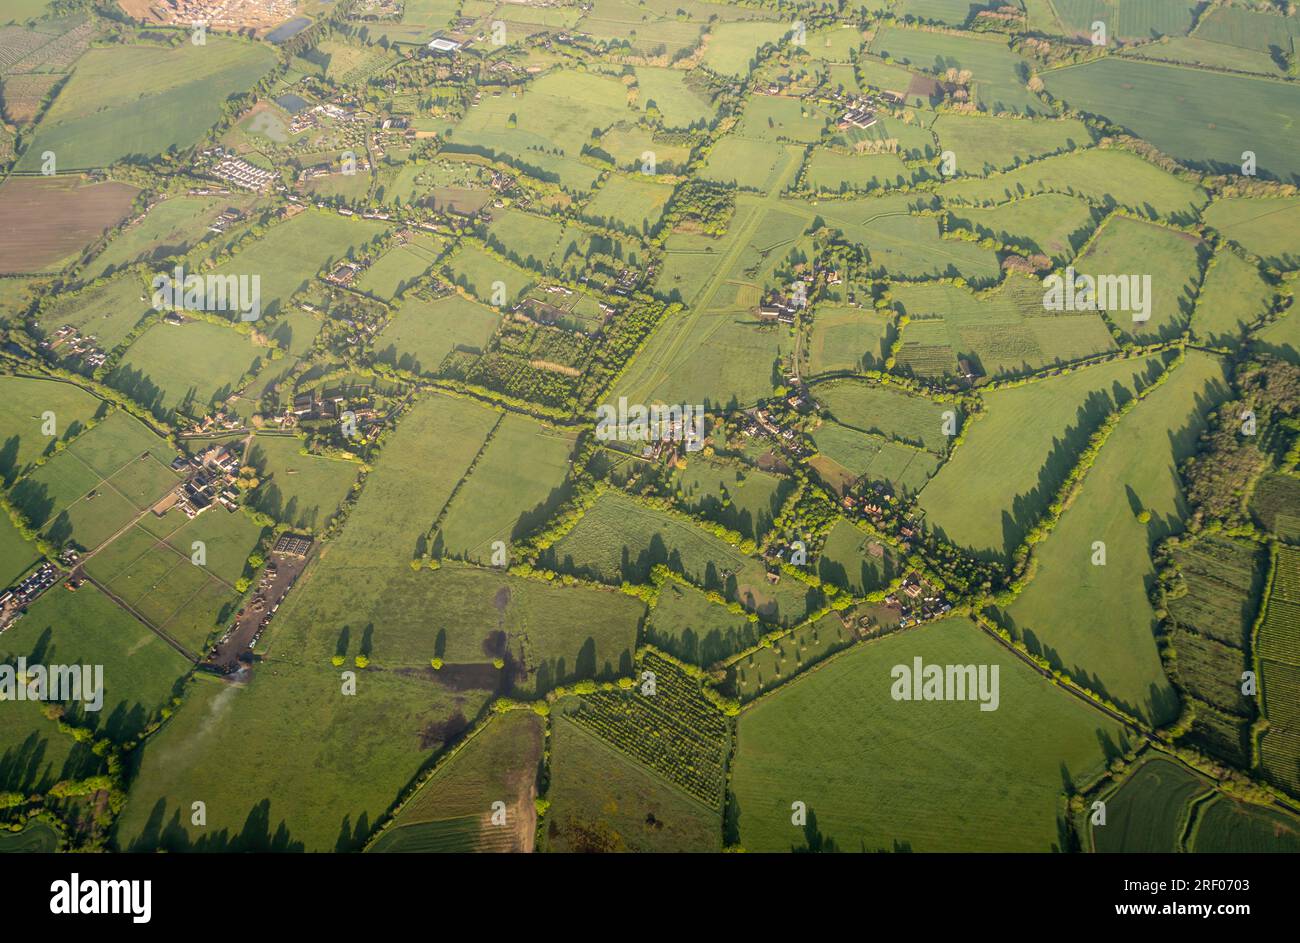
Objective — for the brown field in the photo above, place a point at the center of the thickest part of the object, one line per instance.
(50, 219)
(21, 96)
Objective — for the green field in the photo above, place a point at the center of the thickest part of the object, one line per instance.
(293, 252)
(287, 762)
(744, 499)
(847, 338)
(844, 455)
(24, 402)
(1134, 472)
(453, 811)
(1199, 117)
(601, 800)
(745, 163)
(1266, 227)
(17, 556)
(1225, 825)
(999, 83)
(1052, 224)
(687, 624)
(833, 172)
(631, 204)
(301, 490)
(620, 540)
(1149, 812)
(886, 411)
(678, 100)
(1233, 297)
(730, 48)
(127, 101)
(87, 628)
(1172, 259)
(772, 665)
(1104, 176)
(1034, 435)
(855, 560)
(516, 483)
(170, 228)
(102, 481)
(423, 332)
(186, 367)
(981, 144)
(1002, 331)
(878, 773)
(107, 311)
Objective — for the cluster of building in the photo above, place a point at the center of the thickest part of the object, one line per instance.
(916, 601)
(223, 222)
(235, 170)
(211, 481)
(860, 114)
(14, 601)
(219, 421)
(72, 343)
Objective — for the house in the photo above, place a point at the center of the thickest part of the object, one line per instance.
(443, 45)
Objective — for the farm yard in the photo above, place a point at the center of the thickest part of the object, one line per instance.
(953, 560)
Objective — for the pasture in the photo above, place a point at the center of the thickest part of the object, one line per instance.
(1232, 298)
(878, 773)
(999, 74)
(186, 367)
(24, 401)
(1150, 811)
(730, 49)
(1266, 227)
(688, 625)
(170, 228)
(1173, 260)
(269, 766)
(1194, 115)
(885, 411)
(630, 204)
(108, 312)
(422, 333)
(845, 455)
(1102, 176)
(999, 332)
(997, 485)
(1135, 471)
(138, 101)
(741, 498)
(828, 171)
(304, 491)
(848, 338)
(981, 144)
(517, 481)
(88, 628)
(784, 659)
(1052, 224)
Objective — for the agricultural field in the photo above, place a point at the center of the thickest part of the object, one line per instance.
(52, 221)
(603, 800)
(1051, 224)
(1002, 331)
(1102, 176)
(982, 144)
(452, 812)
(170, 228)
(304, 491)
(129, 101)
(98, 484)
(676, 732)
(995, 69)
(912, 763)
(1151, 810)
(743, 499)
(369, 571)
(516, 482)
(1190, 114)
(1034, 433)
(186, 367)
(629, 204)
(423, 332)
(848, 339)
(688, 625)
(1130, 479)
(1263, 226)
